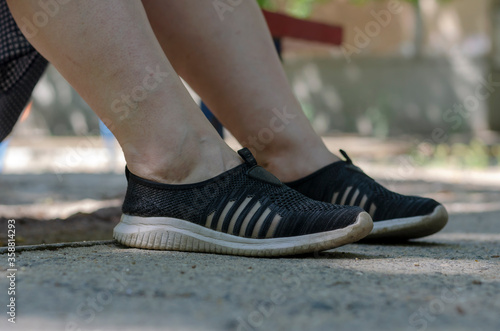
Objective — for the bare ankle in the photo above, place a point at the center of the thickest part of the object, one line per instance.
(293, 164)
(191, 163)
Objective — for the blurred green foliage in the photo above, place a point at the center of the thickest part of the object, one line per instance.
(475, 154)
(303, 8)
(298, 8)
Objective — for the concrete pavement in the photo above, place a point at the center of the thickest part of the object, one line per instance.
(448, 281)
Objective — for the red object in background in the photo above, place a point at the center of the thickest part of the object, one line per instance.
(285, 26)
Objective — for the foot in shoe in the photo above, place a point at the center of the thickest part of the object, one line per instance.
(243, 211)
(395, 216)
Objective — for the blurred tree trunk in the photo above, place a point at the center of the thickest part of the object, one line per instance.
(419, 31)
(494, 101)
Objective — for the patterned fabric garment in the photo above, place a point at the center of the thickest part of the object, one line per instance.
(21, 66)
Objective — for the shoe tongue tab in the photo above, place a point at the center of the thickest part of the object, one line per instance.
(263, 175)
(257, 172)
(247, 156)
(349, 164)
(347, 158)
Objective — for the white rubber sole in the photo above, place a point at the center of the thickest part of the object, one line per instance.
(163, 233)
(411, 227)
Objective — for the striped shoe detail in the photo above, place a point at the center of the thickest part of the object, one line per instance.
(363, 201)
(234, 214)
(247, 218)
(258, 226)
(256, 218)
(353, 198)
(345, 195)
(352, 201)
(244, 215)
(223, 215)
(345, 184)
(219, 208)
(245, 202)
(372, 209)
(274, 222)
(210, 218)
(252, 218)
(334, 198)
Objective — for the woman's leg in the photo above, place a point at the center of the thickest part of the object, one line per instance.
(232, 64)
(109, 53)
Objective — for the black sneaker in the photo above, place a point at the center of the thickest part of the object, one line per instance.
(244, 211)
(395, 216)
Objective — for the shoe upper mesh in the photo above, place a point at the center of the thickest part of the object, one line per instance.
(339, 176)
(300, 215)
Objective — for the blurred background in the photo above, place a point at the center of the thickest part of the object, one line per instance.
(411, 94)
(407, 71)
